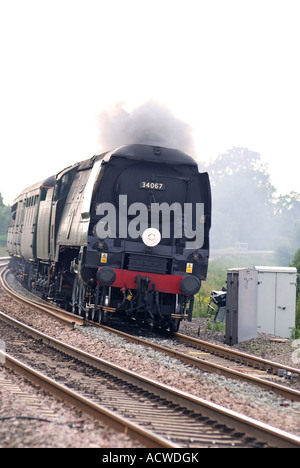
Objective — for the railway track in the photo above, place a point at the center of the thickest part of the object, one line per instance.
(207, 357)
(155, 414)
(225, 362)
(253, 435)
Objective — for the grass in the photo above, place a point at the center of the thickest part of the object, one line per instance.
(3, 252)
(217, 275)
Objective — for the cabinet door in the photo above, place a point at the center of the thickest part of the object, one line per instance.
(266, 302)
(247, 304)
(285, 304)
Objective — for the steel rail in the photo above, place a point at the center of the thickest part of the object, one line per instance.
(98, 412)
(253, 428)
(212, 367)
(246, 359)
(5, 259)
(67, 318)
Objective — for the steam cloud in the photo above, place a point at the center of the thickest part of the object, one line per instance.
(150, 124)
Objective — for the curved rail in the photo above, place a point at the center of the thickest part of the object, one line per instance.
(240, 423)
(98, 412)
(220, 369)
(67, 318)
(241, 358)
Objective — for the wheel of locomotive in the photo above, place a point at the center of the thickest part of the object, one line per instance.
(78, 295)
(174, 325)
(74, 302)
(102, 316)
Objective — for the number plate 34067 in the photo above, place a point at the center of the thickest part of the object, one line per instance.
(152, 185)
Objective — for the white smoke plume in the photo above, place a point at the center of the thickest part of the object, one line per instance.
(150, 123)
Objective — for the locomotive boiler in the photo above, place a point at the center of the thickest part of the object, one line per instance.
(122, 235)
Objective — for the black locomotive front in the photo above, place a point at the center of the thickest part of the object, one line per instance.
(146, 268)
(124, 234)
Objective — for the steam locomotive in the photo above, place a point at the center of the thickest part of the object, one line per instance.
(107, 238)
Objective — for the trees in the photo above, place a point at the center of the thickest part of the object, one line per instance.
(287, 210)
(242, 196)
(296, 263)
(4, 221)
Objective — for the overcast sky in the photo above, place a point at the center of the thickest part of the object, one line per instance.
(228, 68)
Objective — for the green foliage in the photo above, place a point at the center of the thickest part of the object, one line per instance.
(217, 275)
(4, 223)
(297, 325)
(296, 263)
(2, 240)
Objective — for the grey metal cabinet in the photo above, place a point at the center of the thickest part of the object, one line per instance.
(276, 300)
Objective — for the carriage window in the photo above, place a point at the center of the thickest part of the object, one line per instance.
(63, 186)
(44, 191)
(14, 211)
